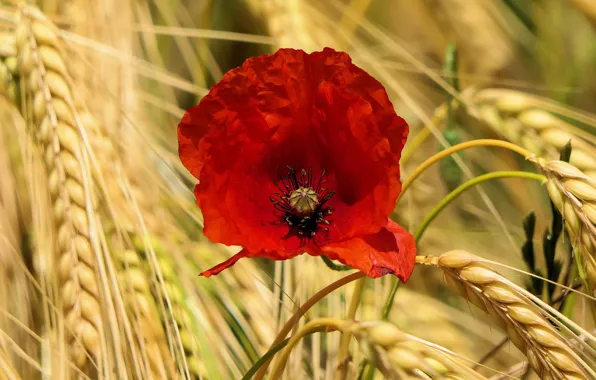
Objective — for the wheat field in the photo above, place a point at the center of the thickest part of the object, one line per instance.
(101, 241)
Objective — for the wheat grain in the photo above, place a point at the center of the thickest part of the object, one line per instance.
(547, 351)
(51, 102)
(8, 66)
(574, 195)
(522, 119)
(398, 354)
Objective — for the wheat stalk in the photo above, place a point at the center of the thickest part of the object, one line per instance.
(52, 110)
(397, 354)
(547, 351)
(522, 119)
(574, 195)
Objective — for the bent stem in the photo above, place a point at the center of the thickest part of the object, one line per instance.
(456, 148)
(328, 324)
(468, 185)
(448, 199)
(302, 310)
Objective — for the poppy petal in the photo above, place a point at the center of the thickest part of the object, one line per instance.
(391, 250)
(273, 255)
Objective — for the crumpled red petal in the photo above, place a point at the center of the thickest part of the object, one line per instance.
(273, 255)
(391, 250)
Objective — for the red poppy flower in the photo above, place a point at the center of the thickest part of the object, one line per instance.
(296, 153)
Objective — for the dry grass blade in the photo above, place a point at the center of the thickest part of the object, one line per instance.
(574, 195)
(50, 104)
(549, 354)
(521, 119)
(397, 354)
(6, 370)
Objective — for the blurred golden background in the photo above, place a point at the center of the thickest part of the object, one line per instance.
(101, 242)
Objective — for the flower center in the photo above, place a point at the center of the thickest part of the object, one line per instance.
(301, 202)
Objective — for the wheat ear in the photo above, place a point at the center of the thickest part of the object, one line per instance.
(574, 195)
(547, 351)
(522, 119)
(50, 102)
(397, 354)
(183, 317)
(144, 314)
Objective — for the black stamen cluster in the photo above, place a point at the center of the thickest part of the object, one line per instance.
(302, 224)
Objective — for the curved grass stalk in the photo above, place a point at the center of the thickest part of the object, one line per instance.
(449, 151)
(303, 309)
(328, 324)
(466, 186)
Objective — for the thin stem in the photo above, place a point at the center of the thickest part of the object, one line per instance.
(491, 353)
(389, 303)
(465, 186)
(302, 310)
(329, 324)
(269, 354)
(468, 144)
(344, 347)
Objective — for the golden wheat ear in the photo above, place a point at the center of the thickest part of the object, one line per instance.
(49, 101)
(548, 352)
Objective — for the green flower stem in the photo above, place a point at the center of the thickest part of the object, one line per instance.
(333, 266)
(448, 199)
(389, 303)
(465, 186)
